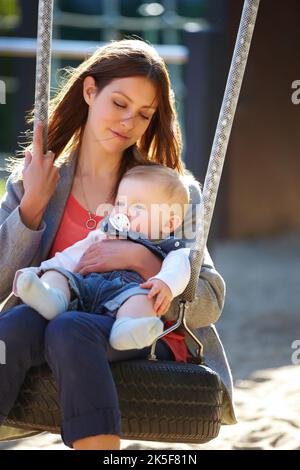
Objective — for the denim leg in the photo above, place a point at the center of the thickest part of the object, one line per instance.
(22, 332)
(75, 348)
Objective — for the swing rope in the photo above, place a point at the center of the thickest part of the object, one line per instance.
(221, 139)
(43, 66)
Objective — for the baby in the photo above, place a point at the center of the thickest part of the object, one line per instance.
(150, 205)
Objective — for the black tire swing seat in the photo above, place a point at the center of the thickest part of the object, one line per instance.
(159, 400)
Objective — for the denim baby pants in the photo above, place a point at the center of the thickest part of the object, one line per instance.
(101, 293)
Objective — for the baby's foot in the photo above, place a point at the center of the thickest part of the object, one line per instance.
(48, 301)
(135, 333)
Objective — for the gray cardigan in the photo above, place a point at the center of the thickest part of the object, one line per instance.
(22, 247)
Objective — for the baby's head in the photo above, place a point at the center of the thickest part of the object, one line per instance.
(154, 198)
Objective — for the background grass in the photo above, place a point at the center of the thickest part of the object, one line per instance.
(3, 173)
(2, 187)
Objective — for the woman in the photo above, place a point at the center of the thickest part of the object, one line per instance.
(115, 111)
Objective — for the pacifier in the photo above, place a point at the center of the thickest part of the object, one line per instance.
(120, 222)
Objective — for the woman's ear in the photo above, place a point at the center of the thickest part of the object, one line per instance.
(89, 89)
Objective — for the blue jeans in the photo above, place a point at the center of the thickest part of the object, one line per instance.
(75, 345)
(102, 293)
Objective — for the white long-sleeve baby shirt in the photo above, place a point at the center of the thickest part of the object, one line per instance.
(175, 270)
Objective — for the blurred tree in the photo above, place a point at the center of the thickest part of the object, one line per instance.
(9, 7)
(131, 9)
(89, 7)
(86, 7)
(9, 20)
(192, 8)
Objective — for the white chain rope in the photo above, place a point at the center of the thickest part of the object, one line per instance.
(43, 66)
(220, 143)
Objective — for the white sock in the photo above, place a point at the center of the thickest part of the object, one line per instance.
(48, 301)
(135, 333)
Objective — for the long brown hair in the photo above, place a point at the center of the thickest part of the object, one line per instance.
(161, 143)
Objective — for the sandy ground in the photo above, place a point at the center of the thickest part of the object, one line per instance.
(259, 324)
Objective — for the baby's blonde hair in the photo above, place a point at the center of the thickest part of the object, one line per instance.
(174, 185)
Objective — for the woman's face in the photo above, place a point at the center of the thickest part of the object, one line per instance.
(120, 114)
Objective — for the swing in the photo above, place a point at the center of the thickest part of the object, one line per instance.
(159, 400)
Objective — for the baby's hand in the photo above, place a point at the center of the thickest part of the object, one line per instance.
(163, 295)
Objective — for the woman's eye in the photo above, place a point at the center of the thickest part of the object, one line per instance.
(119, 105)
(124, 106)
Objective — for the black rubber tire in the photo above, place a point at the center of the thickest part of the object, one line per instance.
(160, 401)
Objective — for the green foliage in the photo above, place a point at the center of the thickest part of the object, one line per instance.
(9, 7)
(2, 187)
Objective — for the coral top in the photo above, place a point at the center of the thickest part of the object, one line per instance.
(72, 229)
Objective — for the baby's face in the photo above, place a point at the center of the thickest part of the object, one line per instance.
(145, 205)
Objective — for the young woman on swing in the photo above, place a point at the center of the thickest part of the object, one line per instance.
(115, 111)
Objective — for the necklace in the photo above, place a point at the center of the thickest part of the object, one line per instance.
(91, 223)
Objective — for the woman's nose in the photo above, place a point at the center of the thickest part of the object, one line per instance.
(128, 122)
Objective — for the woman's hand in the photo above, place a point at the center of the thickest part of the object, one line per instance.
(113, 255)
(162, 292)
(40, 176)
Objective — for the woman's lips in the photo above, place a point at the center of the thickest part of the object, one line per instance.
(119, 135)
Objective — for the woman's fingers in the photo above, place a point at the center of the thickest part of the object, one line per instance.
(38, 141)
(89, 268)
(50, 167)
(49, 156)
(38, 144)
(88, 258)
(48, 159)
(40, 175)
(27, 159)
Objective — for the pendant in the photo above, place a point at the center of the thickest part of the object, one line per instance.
(91, 223)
